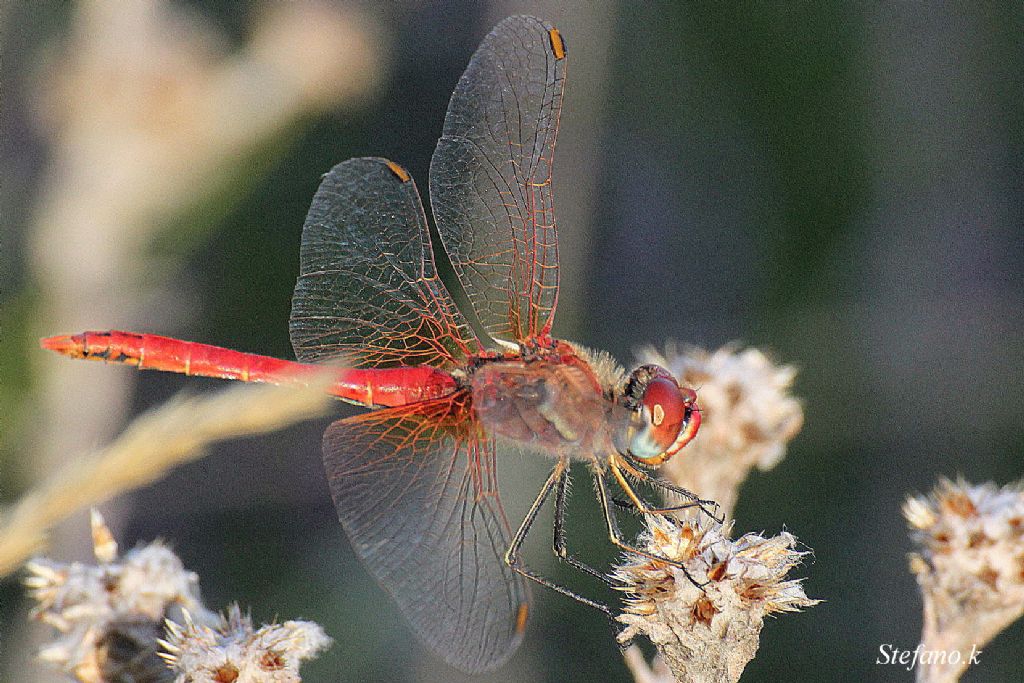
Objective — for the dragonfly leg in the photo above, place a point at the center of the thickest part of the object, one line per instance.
(513, 560)
(615, 534)
(628, 505)
(562, 552)
(624, 504)
(558, 543)
(618, 464)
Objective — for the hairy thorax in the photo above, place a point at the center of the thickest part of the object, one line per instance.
(555, 406)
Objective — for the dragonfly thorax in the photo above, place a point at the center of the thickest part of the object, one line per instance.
(554, 404)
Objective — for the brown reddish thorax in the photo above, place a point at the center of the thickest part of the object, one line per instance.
(550, 399)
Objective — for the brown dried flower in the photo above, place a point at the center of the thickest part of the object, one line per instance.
(748, 417)
(707, 633)
(969, 565)
(235, 651)
(109, 615)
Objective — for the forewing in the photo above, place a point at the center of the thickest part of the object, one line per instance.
(415, 491)
(368, 290)
(490, 178)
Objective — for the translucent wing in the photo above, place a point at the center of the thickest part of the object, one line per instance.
(490, 178)
(368, 290)
(415, 492)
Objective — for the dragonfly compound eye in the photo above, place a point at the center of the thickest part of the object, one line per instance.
(665, 416)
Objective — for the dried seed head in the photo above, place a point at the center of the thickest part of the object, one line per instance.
(969, 562)
(748, 417)
(970, 545)
(707, 633)
(109, 615)
(234, 650)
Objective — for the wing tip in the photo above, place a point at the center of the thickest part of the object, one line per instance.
(399, 172)
(557, 43)
(522, 616)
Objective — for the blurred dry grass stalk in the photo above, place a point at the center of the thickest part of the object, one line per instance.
(111, 619)
(969, 565)
(150, 113)
(711, 633)
(173, 434)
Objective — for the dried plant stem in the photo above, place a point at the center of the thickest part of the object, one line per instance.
(642, 671)
(963, 636)
(173, 434)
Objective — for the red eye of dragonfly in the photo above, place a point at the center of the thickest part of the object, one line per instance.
(666, 416)
(414, 479)
(664, 411)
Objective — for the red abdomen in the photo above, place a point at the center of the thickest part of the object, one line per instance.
(370, 386)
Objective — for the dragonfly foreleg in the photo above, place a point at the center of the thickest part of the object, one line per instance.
(615, 534)
(618, 464)
(628, 505)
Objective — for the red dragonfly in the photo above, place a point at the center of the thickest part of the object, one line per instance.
(414, 480)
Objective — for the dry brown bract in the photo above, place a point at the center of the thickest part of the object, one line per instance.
(709, 633)
(235, 651)
(970, 567)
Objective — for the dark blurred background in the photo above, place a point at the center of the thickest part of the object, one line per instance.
(841, 184)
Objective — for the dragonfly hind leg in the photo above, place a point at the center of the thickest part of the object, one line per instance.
(558, 481)
(562, 551)
(558, 543)
(513, 560)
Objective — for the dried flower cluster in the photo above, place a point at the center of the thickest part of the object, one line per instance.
(970, 567)
(235, 651)
(748, 417)
(111, 618)
(707, 633)
(110, 615)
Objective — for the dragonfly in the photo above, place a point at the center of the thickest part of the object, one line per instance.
(453, 391)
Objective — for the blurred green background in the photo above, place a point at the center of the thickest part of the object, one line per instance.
(839, 183)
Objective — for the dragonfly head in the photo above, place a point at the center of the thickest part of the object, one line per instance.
(663, 417)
